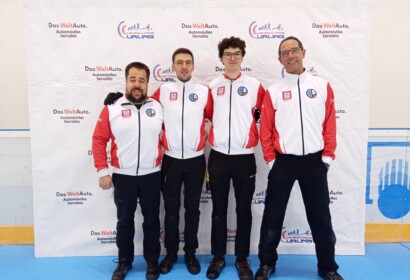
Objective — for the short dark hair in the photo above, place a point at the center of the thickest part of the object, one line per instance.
(138, 65)
(182, 50)
(232, 42)
(290, 38)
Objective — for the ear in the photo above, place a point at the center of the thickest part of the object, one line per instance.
(173, 67)
(304, 53)
(221, 60)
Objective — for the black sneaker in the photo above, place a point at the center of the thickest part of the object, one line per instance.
(192, 264)
(264, 272)
(215, 268)
(244, 270)
(167, 263)
(330, 275)
(152, 271)
(123, 267)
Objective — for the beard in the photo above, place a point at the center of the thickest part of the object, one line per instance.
(134, 100)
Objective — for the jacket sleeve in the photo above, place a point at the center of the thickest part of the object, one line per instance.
(267, 127)
(101, 136)
(156, 95)
(329, 126)
(261, 94)
(209, 107)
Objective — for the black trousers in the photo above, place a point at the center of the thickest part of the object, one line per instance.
(242, 170)
(311, 174)
(127, 190)
(191, 172)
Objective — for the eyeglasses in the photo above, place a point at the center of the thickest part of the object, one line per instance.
(182, 62)
(236, 55)
(293, 51)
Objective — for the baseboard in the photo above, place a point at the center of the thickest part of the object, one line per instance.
(16, 235)
(375, 233)
(378, 232)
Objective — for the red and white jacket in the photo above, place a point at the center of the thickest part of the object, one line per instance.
(184, 118)
(298, 117)
(233, 129)
(135, 138)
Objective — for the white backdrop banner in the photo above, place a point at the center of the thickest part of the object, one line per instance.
(77, 52)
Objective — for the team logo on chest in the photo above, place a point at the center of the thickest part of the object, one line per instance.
(126, 113)
(311, 93)
(242, 91)
(220, 91)
(193, 97)
(173, 96)
(150, 112)
(286, 95)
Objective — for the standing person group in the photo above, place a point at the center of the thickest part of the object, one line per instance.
(298, 137)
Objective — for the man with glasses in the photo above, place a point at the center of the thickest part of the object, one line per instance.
(183, 139)
(233, 136)
(298, 137)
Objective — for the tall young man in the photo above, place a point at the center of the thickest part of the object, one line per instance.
(233, 136)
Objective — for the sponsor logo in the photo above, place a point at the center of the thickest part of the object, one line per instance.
(296, 236)
(266, 31)
(231, 234)
(135, 30)
(126, 113)
(242, 91)
(193, 97)
(199, 30)
(311, 93)
(286, 95)
(206, 195)
(103, 72)
(220, 91)
(163, 74)
(74, 197)
(104, 236)
(71, 116)
(330, 29)
(243, 69)
(67, 30)
(150, 112)
(259, 198)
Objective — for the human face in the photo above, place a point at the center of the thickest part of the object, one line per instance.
(137, 85)
(183, 65)
(232, 59)
(292, 57)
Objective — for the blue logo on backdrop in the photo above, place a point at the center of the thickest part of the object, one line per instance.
(150, 112)
(242, 91)
(394, 189)
(193, 97)
(163, 74)
(135, 30)
(266, 31)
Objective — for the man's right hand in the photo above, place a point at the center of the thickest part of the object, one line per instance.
(105, 182)
(112, 97)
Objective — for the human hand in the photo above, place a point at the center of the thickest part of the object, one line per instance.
(105, 182)
(112, 97)
(394, 192)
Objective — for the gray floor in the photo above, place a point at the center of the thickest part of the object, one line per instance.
(382, 261)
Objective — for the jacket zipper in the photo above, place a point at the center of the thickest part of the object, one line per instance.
(183, 107)
(301, 119)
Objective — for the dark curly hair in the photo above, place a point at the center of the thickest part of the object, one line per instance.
(232, 42)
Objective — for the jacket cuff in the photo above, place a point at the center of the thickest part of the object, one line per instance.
(327, 160)
(103, 172)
